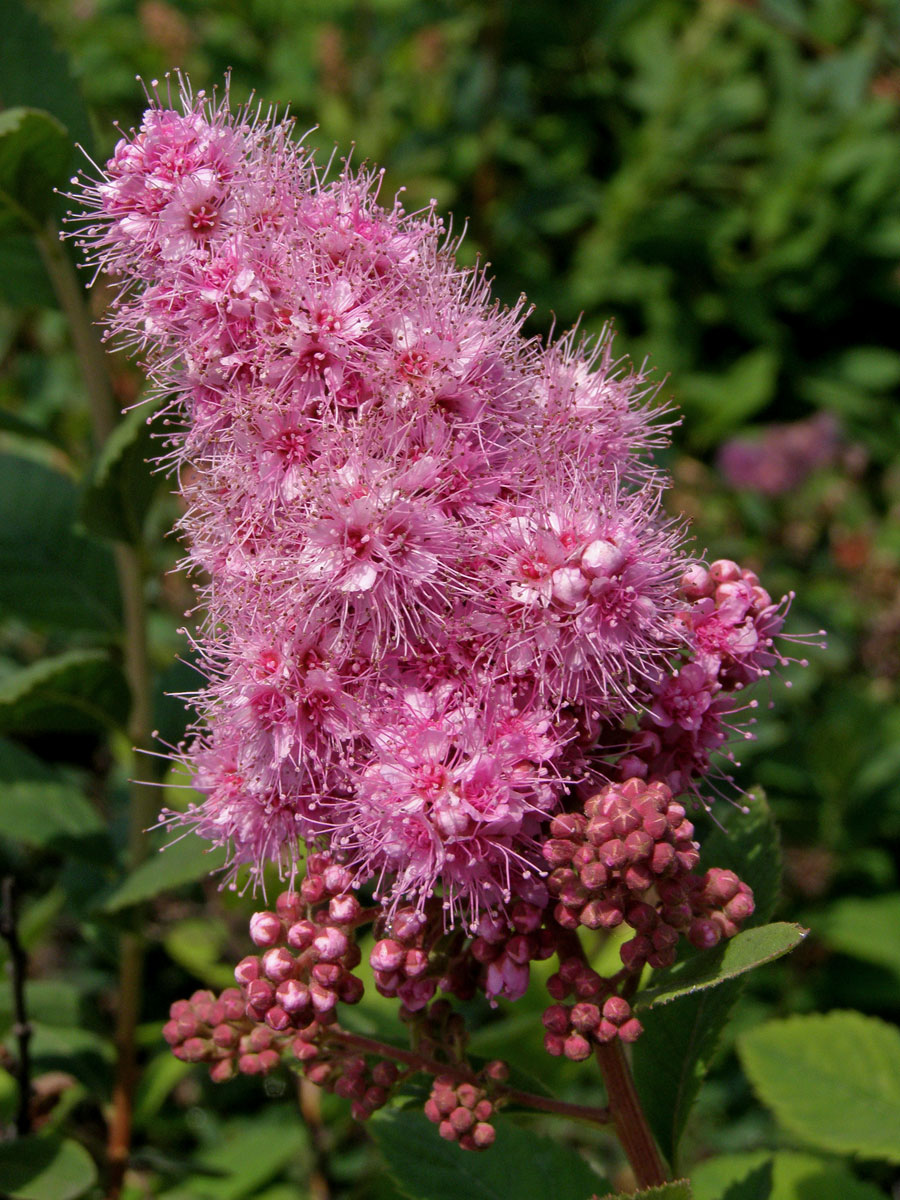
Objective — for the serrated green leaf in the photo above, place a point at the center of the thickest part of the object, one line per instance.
(673, 1055)
(518, 1164)
(865, 929)
(50, 575)
(748, 949)
(832, 1080)
(45, 1168)
(122, 485)
(182, 862)
(794, 1177)
(34, 159)
(81, 690)
(678, 1189)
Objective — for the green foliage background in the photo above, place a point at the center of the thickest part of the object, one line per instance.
(722, 179)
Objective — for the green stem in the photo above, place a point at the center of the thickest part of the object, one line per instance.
(130, 574)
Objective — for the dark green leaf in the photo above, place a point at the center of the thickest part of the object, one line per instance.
(519, 1163)
(23, 279)
(34, 158)
(39, 807)
(50, 575)
(832, 1080)
(34, 74)
(746, 950)
(81, 690)
(45, 1168)
(673, 1055)
(250, 1153)
(183, 861)
(122, 484)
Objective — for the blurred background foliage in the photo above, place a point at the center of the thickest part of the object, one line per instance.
(721, 179)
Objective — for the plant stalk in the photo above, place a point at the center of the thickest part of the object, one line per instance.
(628, 1117)
(9, 931)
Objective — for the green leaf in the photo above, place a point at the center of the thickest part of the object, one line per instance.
(197, 944)
(122, 484)
(757, 1185)
(832, 1080)
(34, 74)
(81, 690)
(519, 1163)
(45, 1168)
(39, 807)
(250, 1153)
(673, 1055)
(748, 949)
(156, 1083)
(184, 861)
(34, 159)
(793, 1177)
(50, 575)
(865, 929)
(678, 1189)
(49, 1001)
(23, 279)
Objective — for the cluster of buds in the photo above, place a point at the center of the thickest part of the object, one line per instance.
(571, 1028)
(462, 1111)
(309, 952)
(629, 859)
(365, 1081)
(401, 962)
(216, 1030)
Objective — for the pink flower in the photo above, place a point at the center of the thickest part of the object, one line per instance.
(431, 554)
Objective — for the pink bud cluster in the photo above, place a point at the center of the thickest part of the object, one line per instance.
(367, 1083)
(629, 858)
(216, 1030)
(574, 1029)
(309, 952)
(462, 1113)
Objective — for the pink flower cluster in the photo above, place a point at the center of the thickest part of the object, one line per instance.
(430, 551)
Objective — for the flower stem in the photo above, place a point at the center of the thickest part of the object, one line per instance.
(9, 930)
(628, 1116)
(418, 1062)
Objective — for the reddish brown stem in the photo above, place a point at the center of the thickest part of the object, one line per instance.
(628, 1116)
(409, 1058)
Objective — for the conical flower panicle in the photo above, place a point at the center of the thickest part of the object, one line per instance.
(430, 551)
